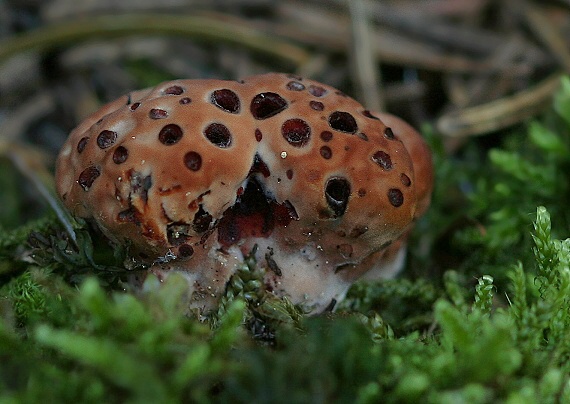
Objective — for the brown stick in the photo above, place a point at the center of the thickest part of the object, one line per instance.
(500, 113)
(205, 28)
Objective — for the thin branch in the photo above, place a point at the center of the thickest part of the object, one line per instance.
(364, 64)
(207, 28)
(500, 113)
(31, 163)
(548, 33)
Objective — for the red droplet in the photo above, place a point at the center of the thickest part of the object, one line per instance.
(382, 159)
(295, 86)
(326, 136)
(174, 90)
(316, 105)
(157, 113)
(88, 176)
(170, 134)
(326, 152)
(266, 105)
(395, 197)
(120, 155)
(106, 139)
(193, 161)
(226, 100)
(296, 131)
(81, 144)
(258, 135)
(317, 91)
(343, 122)
(218, 134)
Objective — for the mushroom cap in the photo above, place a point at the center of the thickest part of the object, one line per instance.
(421, 159)
(195, 173)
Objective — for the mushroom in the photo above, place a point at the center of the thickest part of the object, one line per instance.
(194, 174)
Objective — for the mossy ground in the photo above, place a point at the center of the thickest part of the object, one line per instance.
(480, 315)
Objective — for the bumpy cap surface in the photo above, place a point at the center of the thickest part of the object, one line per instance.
(202, 170)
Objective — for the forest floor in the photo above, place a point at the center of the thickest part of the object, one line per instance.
(481, 312)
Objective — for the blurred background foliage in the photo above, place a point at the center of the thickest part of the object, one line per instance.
(481, 312)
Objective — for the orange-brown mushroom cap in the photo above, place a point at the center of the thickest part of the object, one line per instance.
(195, 173)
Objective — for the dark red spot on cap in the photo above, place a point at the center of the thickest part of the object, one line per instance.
(185, 100)
(81, 144)
(106, 139)
(266, 105)
(135, 106)
(317, 91)
(296, 131)
(87, 177)
(193, 161)
(218, 134)
(343, 122)
(368, 114)
(382, 159)
(226, 100)
(170, 134)
(120, 155)
(295, 86)
(258, 135)
(289, 174)
(157, 113)
(389, 134)
(316, 105)
(326, 135)
(395, 197)
(406, 181)
(361, 192)
(174, 90)
(337, 193)
(326, 152)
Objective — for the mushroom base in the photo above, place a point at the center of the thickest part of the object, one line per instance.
(312, 269)
(296, 273)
